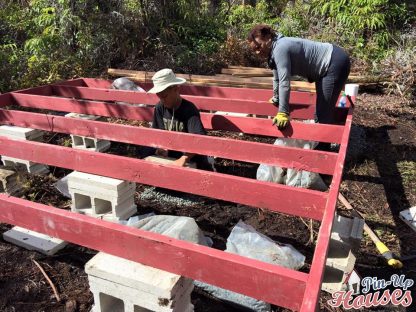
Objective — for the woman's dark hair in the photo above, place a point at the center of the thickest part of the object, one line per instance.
(261, 30)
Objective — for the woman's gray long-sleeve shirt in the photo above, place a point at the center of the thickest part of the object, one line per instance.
(294, 56)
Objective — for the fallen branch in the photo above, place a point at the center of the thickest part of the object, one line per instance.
(49, 280)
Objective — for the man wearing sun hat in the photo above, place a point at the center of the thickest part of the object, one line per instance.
(173, 113)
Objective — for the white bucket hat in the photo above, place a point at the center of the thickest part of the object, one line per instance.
(163, 79)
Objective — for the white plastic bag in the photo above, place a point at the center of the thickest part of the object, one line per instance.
(292, 177)
(270, 174)
(183, 228)
(244, 240)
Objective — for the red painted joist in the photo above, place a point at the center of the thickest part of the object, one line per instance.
(6, 100)
(257, 126)
(216, 91)
(260, 153)
(96, 83)
(275, 197)
(313, 287)
(202, 102)
(254, 278)
(260, 126)
(43, 90)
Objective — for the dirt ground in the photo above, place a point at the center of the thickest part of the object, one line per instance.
(379, 181)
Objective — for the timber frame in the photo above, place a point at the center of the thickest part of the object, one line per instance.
(291, 289)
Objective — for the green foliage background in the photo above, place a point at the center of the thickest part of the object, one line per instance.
(42, 41)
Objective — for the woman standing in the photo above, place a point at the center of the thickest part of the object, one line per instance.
(323, 63)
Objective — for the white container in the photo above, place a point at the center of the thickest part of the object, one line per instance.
(351, 89)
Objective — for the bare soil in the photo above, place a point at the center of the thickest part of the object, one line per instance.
(379, 181)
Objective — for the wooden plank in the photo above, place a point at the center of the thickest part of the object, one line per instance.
(313, 287)
(247, 276)
(294, 201)
(296, 130)
(260, 153)
(259, 72)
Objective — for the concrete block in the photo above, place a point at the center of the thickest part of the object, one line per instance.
(409, 217)
(87, 143)
(135, 275)
(340, 261)
(98, 207)
(110, 296)
(31, 240)
(334, 280)
(340, 256)
(25, 165)
(167, 160)
(348, 230)
(90, 144)
(93, 191)
(92, 180)
(21, 133)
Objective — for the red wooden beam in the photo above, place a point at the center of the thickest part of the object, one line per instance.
(247, 276)
(258, 126)
(252, 94)
(275, 197)
(303, 111)
(43, 90)
(313, 287)
(6, 100)
(260, 153)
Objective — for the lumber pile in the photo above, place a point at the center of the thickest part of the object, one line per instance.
(240, 77)
(241, 71)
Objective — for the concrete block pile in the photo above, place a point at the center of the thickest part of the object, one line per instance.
(86, 143)
(19, 133)
(122, 285)
(101, 197)
(345, 240)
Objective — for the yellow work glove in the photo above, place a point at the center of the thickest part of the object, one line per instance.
(281, 120)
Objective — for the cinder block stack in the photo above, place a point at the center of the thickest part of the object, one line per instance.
(87, 143)
(345, 240)
(9, 182)
(19, 133)
(101, 197)
(122, 285)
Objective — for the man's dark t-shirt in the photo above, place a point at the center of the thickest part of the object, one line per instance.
(185, 118)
